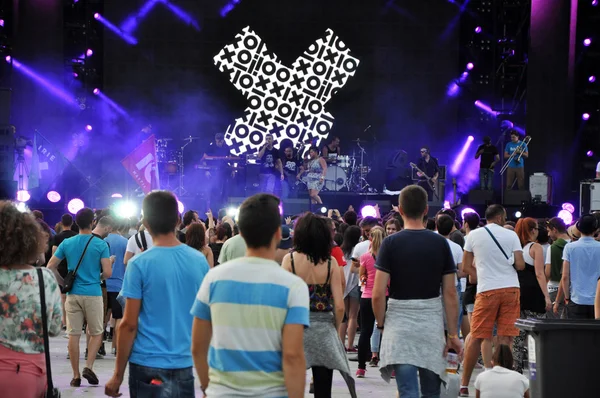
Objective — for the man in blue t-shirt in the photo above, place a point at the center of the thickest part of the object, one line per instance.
(117, 246)
(84, 302)
(160, 286)
(515, 170)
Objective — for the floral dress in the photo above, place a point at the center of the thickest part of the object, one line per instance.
(20, 309)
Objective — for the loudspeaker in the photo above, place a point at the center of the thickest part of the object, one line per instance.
(515, 198)
(481, 197)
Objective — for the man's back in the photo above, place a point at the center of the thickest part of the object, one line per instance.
(494, 271)
(117, 246)
(87, 281)
(166, 280)
(248, 301)
(233, 248)
(416, 261)
(584, 258)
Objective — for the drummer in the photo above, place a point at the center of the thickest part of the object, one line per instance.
(332, 148)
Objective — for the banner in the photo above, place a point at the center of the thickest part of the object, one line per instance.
(46, 164)
(141, 165)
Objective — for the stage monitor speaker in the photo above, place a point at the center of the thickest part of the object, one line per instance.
(516, 198)
(385, 206)
(480, 197)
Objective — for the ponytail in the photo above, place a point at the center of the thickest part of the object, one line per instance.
(377, 235)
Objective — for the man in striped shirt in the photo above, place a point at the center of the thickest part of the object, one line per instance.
(250, 315)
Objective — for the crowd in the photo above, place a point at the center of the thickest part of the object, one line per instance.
(252, 303)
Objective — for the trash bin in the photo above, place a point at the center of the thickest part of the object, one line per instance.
(564, 357)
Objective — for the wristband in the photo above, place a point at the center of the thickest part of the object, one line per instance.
(380, 327)
(452, 336)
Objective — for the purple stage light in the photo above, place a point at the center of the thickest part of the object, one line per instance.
(96, 91)
(461, 155)
(88, 127)
(23, 196)
(565, 216)
(53, 196)
(281, 209)
(2, 22)
(132, 22)
(592, 79)
(568, 207)
(116, 195)
(52, 88)
(75, 75)
(453, 89)
(181, 14)
(587, 42)
(594, 3)
(112, 104)
(589, 154)
(8, 58)
(466, 211)
(478, 29)
(447, 204)
(585, 116)
(228, 7)
(96, 16)
(486, 108)
(126, 37)
(368, 211)
(180, 206)
(75, 205)
(470, 66)
(89, 52)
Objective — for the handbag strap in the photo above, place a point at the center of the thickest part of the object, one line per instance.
(82, 254)
(143, 245)
(45, 329)
(496, 241)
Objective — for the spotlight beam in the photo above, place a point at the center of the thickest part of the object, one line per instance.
(111, 103)
(486, 108)
(461, 156)
(53, 89)
(113, 28)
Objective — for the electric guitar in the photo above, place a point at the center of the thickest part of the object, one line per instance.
(429, 179)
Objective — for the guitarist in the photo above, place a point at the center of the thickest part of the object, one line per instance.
(430, 168)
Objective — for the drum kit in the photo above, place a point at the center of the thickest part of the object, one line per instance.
(170, 164)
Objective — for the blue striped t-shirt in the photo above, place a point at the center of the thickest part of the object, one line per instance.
(248, 301)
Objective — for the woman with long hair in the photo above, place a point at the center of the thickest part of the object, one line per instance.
(317, 167)
(22, 360)
(535, 300)
(223, 233)
(392, 226)
(195, 237)
(352, 291)
(367, 317)
(502, 381)
(312, 262)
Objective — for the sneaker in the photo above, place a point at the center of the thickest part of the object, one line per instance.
(393, 376)
(374, 362)
(464, 392)
(351, 350)
(102, 350)
(311, 388)
(360, 373)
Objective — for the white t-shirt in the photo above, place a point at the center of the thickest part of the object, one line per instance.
(361, 249)
(500, 382)
(457, 254)
(598, 168)
(132, 246)
(494, 271)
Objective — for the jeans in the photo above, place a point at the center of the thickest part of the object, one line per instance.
(267, 183)
(367, 321)
(486, 178)
(460, 307)
(375, 339)
(176, 383)
(408, 382)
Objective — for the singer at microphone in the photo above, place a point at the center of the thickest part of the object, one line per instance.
(333, 147)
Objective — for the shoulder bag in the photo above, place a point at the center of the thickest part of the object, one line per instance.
(70, 278)
(51, 392)
(140, 240)
(498, 244)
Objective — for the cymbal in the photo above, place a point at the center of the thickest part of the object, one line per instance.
(191, 138)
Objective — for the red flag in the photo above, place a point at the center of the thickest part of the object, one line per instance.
(141, 164)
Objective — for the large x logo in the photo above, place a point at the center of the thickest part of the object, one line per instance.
(286, 102)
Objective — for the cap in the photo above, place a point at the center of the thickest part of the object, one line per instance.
(286, 238)
(587, 224)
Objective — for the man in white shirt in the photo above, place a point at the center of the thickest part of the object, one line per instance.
(137, 244)
(366, 225)
(445, 225)
(498, 295)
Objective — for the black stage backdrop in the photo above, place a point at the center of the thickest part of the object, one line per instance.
(408, 52)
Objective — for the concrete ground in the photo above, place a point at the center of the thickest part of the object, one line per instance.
(371, 386)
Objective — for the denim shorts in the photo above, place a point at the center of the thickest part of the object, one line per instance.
(355, 292)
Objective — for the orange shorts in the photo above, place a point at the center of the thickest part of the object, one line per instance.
(499, 306)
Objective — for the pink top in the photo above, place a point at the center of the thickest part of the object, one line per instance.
(367, 261)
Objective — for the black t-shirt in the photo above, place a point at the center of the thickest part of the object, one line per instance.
(416, 261)
(214, 150)
(488, 155)
(291, 167)
(57, 240)
(216, 249)
(268, 161)
(430, 168)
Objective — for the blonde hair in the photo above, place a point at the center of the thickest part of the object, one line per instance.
(377, 234)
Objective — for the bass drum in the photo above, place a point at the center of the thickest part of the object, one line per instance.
(335, 178)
